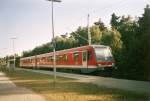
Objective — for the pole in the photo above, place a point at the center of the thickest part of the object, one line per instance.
(13, 43)
(88, 28)
(14, 54)
(53, 39)
(54, 44)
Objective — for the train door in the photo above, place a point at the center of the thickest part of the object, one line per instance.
(84, 59)
(85, 68)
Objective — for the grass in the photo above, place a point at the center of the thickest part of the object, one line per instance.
(69, 89)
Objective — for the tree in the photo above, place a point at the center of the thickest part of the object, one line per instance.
(71, 42)
(81, 36)
(116, 43)
(113, 39)
(114, 21)
(126, 58)
(100, 24)
(106, 38)
(144, 44)
(127, 26)
(60, 43)
(96, 34)
(45, 48)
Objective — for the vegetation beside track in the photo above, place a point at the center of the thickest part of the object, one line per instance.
(69, 89)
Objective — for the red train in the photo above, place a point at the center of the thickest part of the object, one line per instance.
(87, 58)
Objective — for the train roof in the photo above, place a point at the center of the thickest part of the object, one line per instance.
(99, 46)
(66, 50)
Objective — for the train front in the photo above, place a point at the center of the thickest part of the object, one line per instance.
(104, 58)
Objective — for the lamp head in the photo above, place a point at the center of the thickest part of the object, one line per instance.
(54, 0)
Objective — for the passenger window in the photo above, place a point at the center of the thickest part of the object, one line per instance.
(76, 56)
(57, 58)
(84, 56)
(43, 59)
(50, 58)
(65, 58)
(89, 55)
(60, 58)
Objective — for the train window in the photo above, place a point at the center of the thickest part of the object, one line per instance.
(29, 60)
(61, 57)
(89, 55)
(50, 58)
(38, 60)
(65, 57)
(43, 59)
(76, 56)
(58, 58)
(103, 54)
(84, 56)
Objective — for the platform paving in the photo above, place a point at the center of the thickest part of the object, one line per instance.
(10, 92)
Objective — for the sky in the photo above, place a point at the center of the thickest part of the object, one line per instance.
(29, 21)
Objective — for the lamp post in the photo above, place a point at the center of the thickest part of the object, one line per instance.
(88, 29)
(53, 40)
(13, 39)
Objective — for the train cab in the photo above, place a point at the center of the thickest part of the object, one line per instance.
(104, 57)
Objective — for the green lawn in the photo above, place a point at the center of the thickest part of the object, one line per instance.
(69, 89)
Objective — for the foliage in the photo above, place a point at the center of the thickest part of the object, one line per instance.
(96, 34)
(144, 43)
(45, 48)
(113, 39)
(80, 36)
(101, 25)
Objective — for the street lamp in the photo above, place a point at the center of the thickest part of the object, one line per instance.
(88, 28)
(13, 39)
(53, 40)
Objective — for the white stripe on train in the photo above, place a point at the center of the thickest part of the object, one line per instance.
(60, 66)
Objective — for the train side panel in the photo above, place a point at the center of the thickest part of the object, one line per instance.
(81, 57)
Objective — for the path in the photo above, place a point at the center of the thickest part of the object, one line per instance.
(10, 92)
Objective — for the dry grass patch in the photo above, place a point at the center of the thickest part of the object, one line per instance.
(69, 89)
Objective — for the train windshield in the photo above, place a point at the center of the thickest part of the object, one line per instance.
(103, 54)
